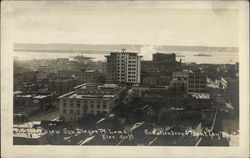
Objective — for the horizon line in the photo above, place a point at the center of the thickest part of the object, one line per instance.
(146, 44)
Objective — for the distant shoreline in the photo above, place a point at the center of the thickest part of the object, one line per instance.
(61, 51)
(60, 47)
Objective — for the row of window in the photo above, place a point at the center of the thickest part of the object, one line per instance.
(79, 112)
(122, 68)
(130, 65)
(95, 92)
(131, 68)
(131, 80)
(92, 106)
(131, 76)
(197, 77)
(85, 102)
(131, 72)
(197, 86)
(197, 82)
(131, 61)
(197, 91)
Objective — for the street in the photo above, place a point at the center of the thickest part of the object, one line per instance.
(47, 116)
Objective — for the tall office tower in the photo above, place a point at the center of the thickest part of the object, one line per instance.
(123, 67)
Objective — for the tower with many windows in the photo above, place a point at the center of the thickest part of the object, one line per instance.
(123, 67)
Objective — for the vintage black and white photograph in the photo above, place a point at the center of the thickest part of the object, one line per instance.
(126, 74)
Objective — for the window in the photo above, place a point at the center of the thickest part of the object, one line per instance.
(104, 106)
(71, 105)
(71, 111)
(78, 105)
(64, 105)
(85, 107)
(64, 111)
(78, 111)
(203, 86)
(191, 90)
(92, 106)
(98, 106)
(203, 82)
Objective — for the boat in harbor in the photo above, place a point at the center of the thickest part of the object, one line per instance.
(202, 55)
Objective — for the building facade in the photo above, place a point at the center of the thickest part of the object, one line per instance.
(158, 72)
(197, 82)
(83, 76)
(164, 58)
(123, 67)
(28, 103)
(18, 81)
(89, 98)
(62, 85)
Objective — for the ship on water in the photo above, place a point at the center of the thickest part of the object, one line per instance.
(203, 55)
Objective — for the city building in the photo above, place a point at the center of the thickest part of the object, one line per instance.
(29, 103)
(62, 85)
(123, 67)
(47, 68)
(208, 117)
(231, 91)
(158, 72)
(163, 58)
(30, 76)
(181, 74)
(83, 76)
(61, 64)
(197, 82)
(179, 81)
(178, 84)
(163, 96)
(18, 80)
(29, 81)
(139, 90)
(89, 98)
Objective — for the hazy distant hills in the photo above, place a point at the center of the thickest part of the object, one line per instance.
(68, 48)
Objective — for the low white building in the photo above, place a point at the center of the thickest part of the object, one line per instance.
(88, 98)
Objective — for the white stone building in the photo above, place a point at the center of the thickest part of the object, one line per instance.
(123, 67)
(89, 98)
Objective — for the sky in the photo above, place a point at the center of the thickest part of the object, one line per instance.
(99, 23)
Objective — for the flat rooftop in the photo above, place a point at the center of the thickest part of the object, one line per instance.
(96, 86)
(32, 95)
(73, 95)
